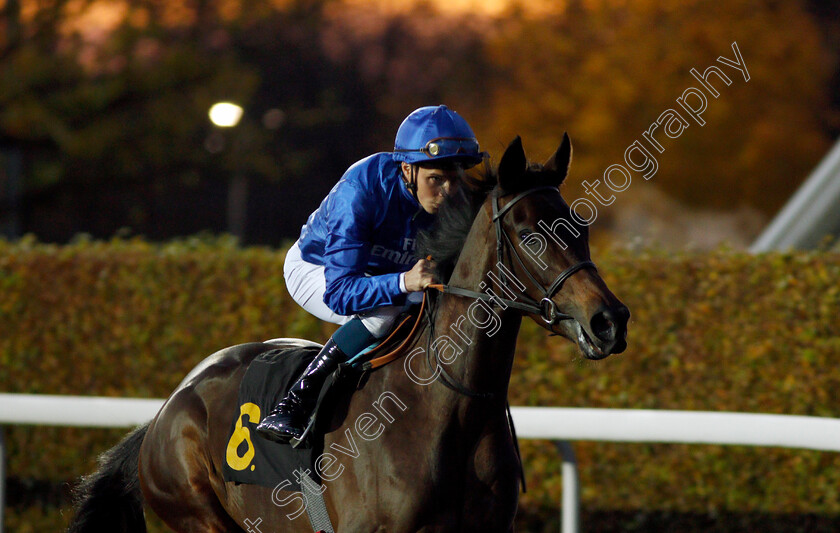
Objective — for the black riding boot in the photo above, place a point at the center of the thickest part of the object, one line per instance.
(289, 418)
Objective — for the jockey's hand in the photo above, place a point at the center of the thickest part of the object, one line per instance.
(421, 275)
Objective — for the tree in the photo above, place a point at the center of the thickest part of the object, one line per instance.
(606, 70)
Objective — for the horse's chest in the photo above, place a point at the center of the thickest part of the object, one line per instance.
(474, 488)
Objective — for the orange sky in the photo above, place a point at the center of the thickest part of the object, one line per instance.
(104, 15)
(95, 20)
(487, 7)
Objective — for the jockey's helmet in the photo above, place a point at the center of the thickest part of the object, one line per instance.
(436, 135)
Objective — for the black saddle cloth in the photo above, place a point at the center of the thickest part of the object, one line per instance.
(252, 459)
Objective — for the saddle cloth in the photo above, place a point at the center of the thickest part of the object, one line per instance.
(250, 458)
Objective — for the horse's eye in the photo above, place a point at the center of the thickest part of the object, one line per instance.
(527, 237)
(531, 240)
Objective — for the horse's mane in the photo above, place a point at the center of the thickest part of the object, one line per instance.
(445, 240)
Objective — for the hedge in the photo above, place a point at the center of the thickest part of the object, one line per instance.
(714, 331)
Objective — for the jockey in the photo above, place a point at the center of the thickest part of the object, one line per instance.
(354, 264)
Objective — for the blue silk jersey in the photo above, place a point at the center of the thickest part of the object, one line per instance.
(363, 234)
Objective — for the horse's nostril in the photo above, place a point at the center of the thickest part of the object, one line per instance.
(624, 311)
(609, 324)
(603, 326)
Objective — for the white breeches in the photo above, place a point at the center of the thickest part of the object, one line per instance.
(307, 284)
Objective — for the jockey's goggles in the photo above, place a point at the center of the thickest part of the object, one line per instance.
(449, 147)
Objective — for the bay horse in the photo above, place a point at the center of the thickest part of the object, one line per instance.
(441, 456)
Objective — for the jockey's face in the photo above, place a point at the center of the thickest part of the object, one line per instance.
(433, 184)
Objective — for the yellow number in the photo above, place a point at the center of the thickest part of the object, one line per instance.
(241, 433)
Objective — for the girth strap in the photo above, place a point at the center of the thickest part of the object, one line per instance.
(316, 508)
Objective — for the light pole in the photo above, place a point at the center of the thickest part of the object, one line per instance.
(11, 191)
(228, 115)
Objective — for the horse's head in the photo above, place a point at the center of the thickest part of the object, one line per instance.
(545, 246)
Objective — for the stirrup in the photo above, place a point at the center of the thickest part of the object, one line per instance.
(302, 442)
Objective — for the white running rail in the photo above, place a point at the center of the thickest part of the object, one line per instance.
(557, 424)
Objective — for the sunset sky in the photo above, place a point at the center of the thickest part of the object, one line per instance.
(487, 7)
(92, 19)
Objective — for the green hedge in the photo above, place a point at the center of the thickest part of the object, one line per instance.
(720, 331)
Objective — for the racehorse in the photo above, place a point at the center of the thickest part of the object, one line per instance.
(434, 450)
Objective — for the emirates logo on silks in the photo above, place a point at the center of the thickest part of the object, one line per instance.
(400, 257)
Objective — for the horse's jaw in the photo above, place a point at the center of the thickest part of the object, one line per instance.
(589, 349)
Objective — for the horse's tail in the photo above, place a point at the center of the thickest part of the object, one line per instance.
(110, 498)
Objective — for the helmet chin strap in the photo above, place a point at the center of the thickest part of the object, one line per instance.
(411, 185)
(411, 182)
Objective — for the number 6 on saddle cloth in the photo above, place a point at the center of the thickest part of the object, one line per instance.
(254, 460)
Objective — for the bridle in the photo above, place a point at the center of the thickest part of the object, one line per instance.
(545, 308)
(503, 277)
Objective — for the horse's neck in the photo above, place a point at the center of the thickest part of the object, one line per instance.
(474, 341)
(485, 335)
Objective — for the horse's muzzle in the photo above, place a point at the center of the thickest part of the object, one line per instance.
(609, 326)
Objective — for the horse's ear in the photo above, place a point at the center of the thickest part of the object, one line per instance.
(513, 165)
(559, 162)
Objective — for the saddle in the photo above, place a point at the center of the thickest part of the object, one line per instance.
(392, 346)
(253, 460)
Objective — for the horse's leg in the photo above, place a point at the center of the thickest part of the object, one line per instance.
(493, 486)
(174, 470)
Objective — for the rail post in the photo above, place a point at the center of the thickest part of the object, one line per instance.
(2, 476)
(570, 510)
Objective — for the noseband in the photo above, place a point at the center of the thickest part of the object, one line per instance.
(545, 308)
